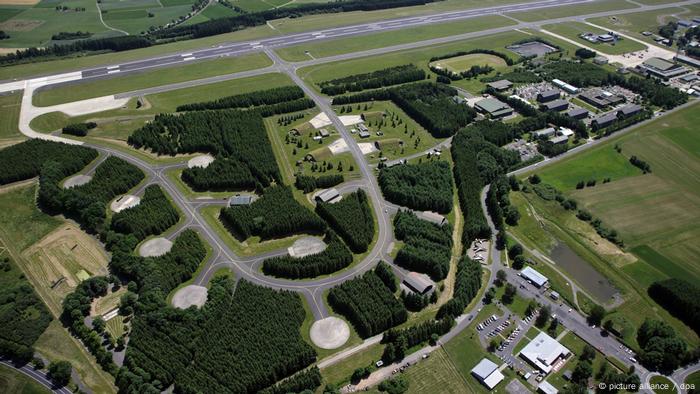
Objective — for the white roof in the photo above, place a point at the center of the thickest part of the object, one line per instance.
(543, 351)
(534, 276)
(547, 388)
(495, 378)
(484, 368)
(566, 132)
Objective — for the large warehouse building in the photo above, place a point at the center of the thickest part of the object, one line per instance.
(487, 373)
(544, 352)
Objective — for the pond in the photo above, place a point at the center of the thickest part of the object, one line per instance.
(581, 271)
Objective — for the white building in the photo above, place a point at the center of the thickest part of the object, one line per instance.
(546, 388)
(487, 373)
(533, 276)
(543, 352)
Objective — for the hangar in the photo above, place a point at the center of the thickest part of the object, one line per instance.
(487, 373)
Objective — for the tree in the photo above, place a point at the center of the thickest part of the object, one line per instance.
(519, 262)
(534, 179)
(396, 385)
(543, 316)
(60, 372)
(501, 277)
(531, 307)
(509, 294)
(596, 315)
(553, 327)
(98, 324)
(582, 372)
(360, 373)
(588, 353)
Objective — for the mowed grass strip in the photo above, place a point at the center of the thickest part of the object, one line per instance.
(571, 10)
(380, 40)
(189, 72)
(465, 62)
(9, 116)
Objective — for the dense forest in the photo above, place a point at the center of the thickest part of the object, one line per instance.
(23, 316)
(467, 285)
(387, 276)
(153, 215)
(308, 379)
(86, 203)
(376, 79)
(423, 187)
(24, 160)
(335, 257)
(351, 218)
(237, 138)
(247, 100)
(276, 214)
(429, 104)
(307, 183)
(368, 304)
(398, 341)
(427, 246)
(661, 347)
(681, 298)
(79, 129)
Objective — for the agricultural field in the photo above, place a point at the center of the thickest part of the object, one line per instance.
(437, 374)
(57, 263)
(34, 26)
(192, 71)
(378, 40)
(292, 150)
(572, 30)
(136, 16)
(393, 133)
(12, 381)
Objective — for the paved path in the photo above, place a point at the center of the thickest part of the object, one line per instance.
(38, 376)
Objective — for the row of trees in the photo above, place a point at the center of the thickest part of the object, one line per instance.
(500, 208)
(276, 214)
(399, 340)
(79, 129)
(335, 257)
(427, 246)
(680, 298)
(307, 380)
(307, 183)
(515, 76)
(373, 80)
(429, 104)
(424, 187)
(368, 304)
(24, 160)
(223, 174)
(509, 61)
(447, 76)
(351, 218)
(116, 44)
(23, 316)
(153, 215)
(467, 285)
(247, 100)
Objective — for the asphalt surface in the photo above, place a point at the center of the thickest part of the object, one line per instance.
(38, 376)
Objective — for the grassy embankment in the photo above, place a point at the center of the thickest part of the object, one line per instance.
(572, 30)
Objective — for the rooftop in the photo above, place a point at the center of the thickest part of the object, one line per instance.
(546, 388)
(491, 105)
(543, 351)
(501, 84)
(418, 282)
(659, 64)
(532, 274)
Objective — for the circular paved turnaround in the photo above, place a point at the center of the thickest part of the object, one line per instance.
(76, 180)
(330, 333)
(191, 295)
(124, 202)
(202, 161)
(155, 247)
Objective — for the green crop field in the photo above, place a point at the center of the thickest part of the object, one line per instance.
(572, 30)
(21, 222)
(136, 16)
(35, 25)
(12, 381)
(380, 40)
(103, 87)
(571, 10)
(436, 374)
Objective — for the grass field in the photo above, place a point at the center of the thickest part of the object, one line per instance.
(572, 30)
(12, 381)
(340, 372)
(656, 214)
(635, 23)
(694, 379)
(115, 326)
(21, 223)
(9, 117)
(379, 40)
(288, 154)
(400, 134)
(57, 344)
(662, 385)
(436, 374)
(465, 62)
(104, 87)
(133, 16)
(571, 10)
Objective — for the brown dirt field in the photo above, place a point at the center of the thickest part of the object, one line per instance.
(62, 254)
(5, 51)
(17, 185)
(20, 25)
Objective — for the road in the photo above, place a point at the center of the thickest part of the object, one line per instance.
(38, 376)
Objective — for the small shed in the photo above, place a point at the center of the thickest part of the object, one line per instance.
(240, 200)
